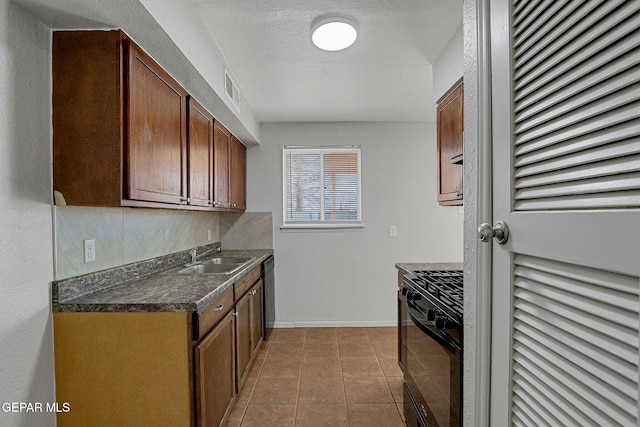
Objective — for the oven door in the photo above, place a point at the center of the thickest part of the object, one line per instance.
(433, 366)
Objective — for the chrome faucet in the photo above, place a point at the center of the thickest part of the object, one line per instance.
(194, 256)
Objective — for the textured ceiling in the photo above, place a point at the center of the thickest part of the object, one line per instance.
(385, 76)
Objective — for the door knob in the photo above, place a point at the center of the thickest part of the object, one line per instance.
(500, 231)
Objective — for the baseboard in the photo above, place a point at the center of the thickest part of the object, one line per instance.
(277, 325)
(335, 324)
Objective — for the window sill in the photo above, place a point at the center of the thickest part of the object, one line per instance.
(293, 227)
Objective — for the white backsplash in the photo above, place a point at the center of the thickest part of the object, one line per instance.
(249, 230)
(144, 234)
(126, 235)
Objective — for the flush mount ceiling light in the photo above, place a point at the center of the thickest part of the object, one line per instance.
(333, 32)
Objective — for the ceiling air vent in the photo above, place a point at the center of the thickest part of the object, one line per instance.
(231, 89)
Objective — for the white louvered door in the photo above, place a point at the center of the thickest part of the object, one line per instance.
(566, 180)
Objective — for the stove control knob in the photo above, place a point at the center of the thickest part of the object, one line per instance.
(404, 292)
(431, 314)
(441, 322)
(416, 296)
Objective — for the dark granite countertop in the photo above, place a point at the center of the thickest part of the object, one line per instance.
(409, 267)
(142, 287)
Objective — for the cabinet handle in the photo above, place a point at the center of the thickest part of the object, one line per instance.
(219, 308)
(235, 313)
(209, 202)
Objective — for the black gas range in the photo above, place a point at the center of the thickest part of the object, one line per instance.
(439, 293)
(431, 346)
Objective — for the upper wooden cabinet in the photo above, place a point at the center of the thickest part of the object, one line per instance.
(222, 147)
(450, 147)
(124, 133)
(88, 113)
(157, 134)
(201, 165)
(229, 169)
(238, 193)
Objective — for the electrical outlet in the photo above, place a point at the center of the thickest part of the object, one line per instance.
(393, 231)
(208, 234)
(89, 250)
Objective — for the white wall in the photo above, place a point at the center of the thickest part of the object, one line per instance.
(26, 247)
(348, 277)
(191, 36)
(449, 66)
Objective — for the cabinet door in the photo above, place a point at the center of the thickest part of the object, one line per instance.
(450, 125)
(87, 90)
(238, 174)
(221, 148)
(200, 155)
(256, 294)
(156, 144)
(403, 321)
(243, 338)
(215, 376)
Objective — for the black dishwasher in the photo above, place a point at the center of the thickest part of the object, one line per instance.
(269, 300)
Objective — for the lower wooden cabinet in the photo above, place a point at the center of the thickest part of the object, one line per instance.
(215, 373)
(243, 339)
(257, 316)
(124, 369)
(157, 368)
(249, 320)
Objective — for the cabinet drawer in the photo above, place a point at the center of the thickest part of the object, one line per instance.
(245, 282)
(207, 317)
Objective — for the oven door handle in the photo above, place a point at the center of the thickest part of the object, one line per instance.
(415, 307)
(442, 340)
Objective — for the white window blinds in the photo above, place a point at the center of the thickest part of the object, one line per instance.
(321, 186)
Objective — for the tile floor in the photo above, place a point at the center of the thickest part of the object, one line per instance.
(314, 377)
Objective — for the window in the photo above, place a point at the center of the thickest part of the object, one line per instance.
(321, 187)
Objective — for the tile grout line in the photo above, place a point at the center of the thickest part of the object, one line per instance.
(344, 387)
(384, 375)
(295, 409)
(267, 349)
(304, 344)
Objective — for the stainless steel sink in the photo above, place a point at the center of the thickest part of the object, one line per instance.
(209, 268)
(217, 265)
(226, 260)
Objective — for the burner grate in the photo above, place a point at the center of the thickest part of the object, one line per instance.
(444, 285)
